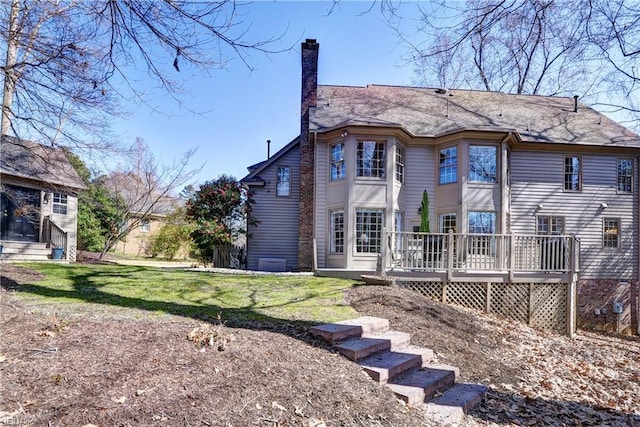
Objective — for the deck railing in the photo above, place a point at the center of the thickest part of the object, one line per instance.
(55, 236)
(429, 252)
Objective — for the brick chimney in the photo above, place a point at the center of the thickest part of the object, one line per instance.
(307, 176)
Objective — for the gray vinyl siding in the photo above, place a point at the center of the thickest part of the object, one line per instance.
(537, 179)
(321, 230)
(276, 235)
(419, 176)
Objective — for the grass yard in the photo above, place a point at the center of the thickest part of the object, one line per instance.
(138, 291)
(109, 345)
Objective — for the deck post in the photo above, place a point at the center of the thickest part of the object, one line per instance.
(450, 256)
(510, 256)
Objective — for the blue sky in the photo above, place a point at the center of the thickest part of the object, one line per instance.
(239, 109)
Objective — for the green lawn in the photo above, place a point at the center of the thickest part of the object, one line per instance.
(140, 291)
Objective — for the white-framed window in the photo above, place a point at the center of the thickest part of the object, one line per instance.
(144, 225)
(337, 161)
(482, 163)
(369, 224)
(370, 159)
(482, 223)
(625, 175)
(337, 232)
(283, 184)
(60, 203)
(447, 222)
(611, 232)
(400, 156)
(546, 224)
(573, 173)
(448, 165)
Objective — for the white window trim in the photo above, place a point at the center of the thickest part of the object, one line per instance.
(278, 181)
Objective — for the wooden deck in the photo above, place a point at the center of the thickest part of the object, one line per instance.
(495, 258)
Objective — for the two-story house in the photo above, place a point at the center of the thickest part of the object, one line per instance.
(500, 171)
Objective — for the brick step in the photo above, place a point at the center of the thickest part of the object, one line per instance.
(410, 371)
(383, 367)
(418, 386)
(357, 349)
(451, 407)
(353, 328)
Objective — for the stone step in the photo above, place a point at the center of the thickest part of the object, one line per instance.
(426, 354)
(410, 371)
(357, 349)
(417, 386)
(451, 407)
(346, 329)
(383, 367)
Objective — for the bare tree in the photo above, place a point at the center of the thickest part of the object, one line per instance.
(142, 187)
(67, 64)
(529, 47)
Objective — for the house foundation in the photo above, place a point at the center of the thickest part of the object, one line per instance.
(608, 305)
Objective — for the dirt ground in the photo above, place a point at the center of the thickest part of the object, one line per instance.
(61, 369)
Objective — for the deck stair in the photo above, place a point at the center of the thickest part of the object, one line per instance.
(411, 372)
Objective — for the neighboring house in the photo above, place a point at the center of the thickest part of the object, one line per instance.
(39, 201)
(148, 218)
(502, 172)
(138, 241)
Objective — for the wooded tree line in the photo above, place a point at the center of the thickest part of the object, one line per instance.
(67, 65)
(114, 204)
(544, 47)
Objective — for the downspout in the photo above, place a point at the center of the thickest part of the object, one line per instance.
(503, 182)
(314, 258)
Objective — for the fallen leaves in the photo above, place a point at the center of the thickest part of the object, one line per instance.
(211, 336)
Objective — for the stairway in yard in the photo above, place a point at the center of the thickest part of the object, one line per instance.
(24, 251)
(410, 371)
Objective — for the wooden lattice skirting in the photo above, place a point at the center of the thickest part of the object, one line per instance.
(541, 305)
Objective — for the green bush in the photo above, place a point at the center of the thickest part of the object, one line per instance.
(169, 239)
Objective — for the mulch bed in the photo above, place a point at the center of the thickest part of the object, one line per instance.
(61, 369)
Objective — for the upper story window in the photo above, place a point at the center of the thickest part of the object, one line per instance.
(611, 232)
(144, 225)
(60, 203)
(400, 156)
(337, 161)
(369, 230)
(573, 173)
(482, 163)
(337, 232)
(448, 165)
(549, 225)
(283, 184)
(370, 161)
(625, 175)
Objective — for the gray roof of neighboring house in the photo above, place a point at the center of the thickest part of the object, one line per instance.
(30, 160)
(424, 112)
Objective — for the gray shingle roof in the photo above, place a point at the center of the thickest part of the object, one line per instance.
(425, 112)
(33, 161)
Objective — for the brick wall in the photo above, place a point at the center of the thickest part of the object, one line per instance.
(308, 100)
(600, 295)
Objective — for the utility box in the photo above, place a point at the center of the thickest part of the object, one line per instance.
(272, 264)
(617, 308)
